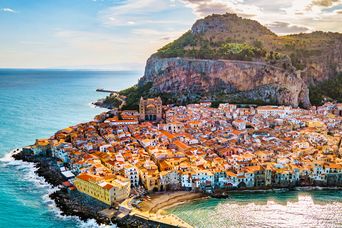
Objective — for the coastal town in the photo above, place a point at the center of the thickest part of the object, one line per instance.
(123, 155)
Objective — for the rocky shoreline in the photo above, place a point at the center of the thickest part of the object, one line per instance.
(64, 200)
(73, 203)
(113, 100)
(101, 104)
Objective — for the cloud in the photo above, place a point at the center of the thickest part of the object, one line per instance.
(136, 11)
(282, 16)
(8, 10)
(326, 22)
(202, 8)
(155, 36)
(207, 8)
(136, 45)
(319, 5)
(325, 3)
(286, 28)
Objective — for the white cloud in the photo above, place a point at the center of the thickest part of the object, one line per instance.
(287, 28)
(325, 3)
(203, 8)
(8, 10)
(136, 46)
(157, 36)
(137, 11)
(281, 16)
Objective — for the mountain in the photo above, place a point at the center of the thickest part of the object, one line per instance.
(231, 59)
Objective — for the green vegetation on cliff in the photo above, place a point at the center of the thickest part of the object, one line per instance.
(133, 95)
(330, 89)
(111, 102)
(176, 48)
(189, 45)
(240, 51)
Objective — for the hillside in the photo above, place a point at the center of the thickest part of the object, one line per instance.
(231, 59)
(231, 37)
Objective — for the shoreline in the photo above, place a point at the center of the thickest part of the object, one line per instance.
(275, 190)
(64, 201)
(71, 204)
(161, 201)
(284, 189)
(165, 208)
(53, 190)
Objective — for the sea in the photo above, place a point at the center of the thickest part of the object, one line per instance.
(37, 103)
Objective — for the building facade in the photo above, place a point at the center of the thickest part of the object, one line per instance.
(150, 109)
(338, 109)
(107, 192)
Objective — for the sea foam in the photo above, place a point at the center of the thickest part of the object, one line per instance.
(9, 156)
(28, 171)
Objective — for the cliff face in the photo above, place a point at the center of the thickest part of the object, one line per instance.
(326, 64)
(232, 59)
(239, 80)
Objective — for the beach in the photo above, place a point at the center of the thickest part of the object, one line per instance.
(159, 202)
(152, 209)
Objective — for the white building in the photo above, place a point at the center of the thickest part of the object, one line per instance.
(131, 172)
(239, 124)
(173, 127)
(186, 181)
(281, 111)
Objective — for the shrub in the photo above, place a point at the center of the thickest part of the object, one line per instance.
(134, 93)
(330, 89)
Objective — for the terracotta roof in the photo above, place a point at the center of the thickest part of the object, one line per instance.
(85, 177)
(181, 145)
(108, 186)
(168, 134)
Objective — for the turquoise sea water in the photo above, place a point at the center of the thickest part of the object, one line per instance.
(37, 103)
(315, 208)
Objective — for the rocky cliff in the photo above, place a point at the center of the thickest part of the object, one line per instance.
(238, 80)
(228, 58)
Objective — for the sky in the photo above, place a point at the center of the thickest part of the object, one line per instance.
(122, 34)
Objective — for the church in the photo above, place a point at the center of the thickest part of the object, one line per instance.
(150, 109)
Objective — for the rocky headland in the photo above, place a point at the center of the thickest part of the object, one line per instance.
(226, 58)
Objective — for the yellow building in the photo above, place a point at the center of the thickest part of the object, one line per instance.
(107, 192)
(122, 188)
(150, 179)
(316, 124)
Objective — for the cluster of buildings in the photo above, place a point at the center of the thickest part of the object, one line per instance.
(199, 148)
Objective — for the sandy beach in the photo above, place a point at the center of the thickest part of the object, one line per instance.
(159, 202)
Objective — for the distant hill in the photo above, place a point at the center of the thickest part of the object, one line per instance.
(231, 59)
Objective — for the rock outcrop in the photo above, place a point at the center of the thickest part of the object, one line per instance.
(241, 79)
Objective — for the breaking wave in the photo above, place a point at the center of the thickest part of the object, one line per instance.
(9, 156)
(27, 172)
